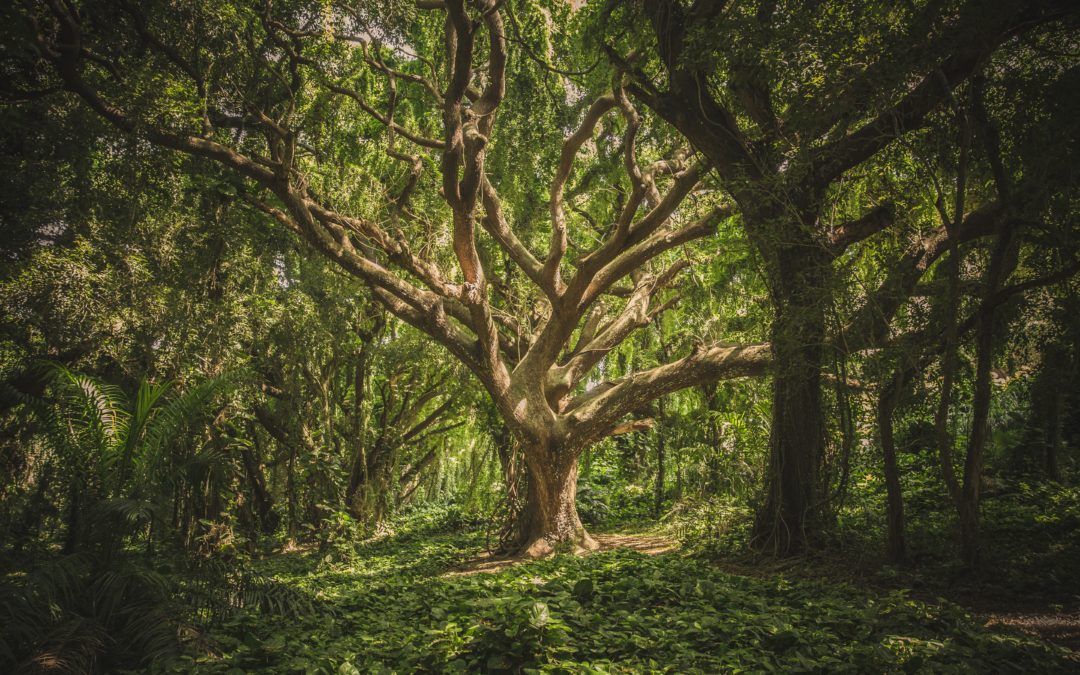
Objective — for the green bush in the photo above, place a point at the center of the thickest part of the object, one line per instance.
(592, 504)
(80, 614)
(714, 525)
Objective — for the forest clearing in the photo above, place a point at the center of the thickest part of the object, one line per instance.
(570, 336)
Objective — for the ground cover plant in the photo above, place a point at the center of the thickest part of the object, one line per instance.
(408, 604)
(307, 307)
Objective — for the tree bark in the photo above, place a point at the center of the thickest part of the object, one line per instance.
(1046, 421)
(1003, 261)
(952, 312)
(968, 506)
(896, 548)
(358, 470)
(789, 520)
(263, 500)
(658, 502)
(550, 518)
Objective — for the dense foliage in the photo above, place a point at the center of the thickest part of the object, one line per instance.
(404, 605)
(306, 304)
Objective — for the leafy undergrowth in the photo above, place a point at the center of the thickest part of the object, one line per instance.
(1030, 544)
(394, 609)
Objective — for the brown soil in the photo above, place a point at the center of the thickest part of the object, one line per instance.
(643, 543)
(1062, 629)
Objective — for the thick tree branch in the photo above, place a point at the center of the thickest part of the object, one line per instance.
(592, 414)
(854, 231)
(981, 32)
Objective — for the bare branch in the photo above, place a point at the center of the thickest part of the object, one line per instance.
(974, 40)
(635, 256)
(632, 427)
(495, 224)
(871, 322)
(367, 107)
(570, 149)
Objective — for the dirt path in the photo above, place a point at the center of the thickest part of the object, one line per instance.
(649, 544)
(1062, 629)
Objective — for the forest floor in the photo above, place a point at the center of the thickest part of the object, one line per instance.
(646, 542)
(1033, 616)
(417, 601)
(988, 602)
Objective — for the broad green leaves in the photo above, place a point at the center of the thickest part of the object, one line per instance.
(616, 612)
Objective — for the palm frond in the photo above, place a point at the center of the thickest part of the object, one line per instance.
(216, 590)
(80, 614)
(177, 415)
(142, 413)
(96, 407)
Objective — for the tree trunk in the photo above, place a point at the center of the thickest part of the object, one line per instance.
(847, 441)
(410, 478)
(357, 479)
(896, 548)
(1003, 261)
(290, 494)
(358, 471)
(948, 372)
(550, 517)
(658, 504)
(968, 506)
(1046, 422)
(789, 521)
(261, 497)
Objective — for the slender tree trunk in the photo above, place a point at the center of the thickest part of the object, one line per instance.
(968, 506)
(550, 516)
(678, 477)
(948, 372)
(896, 547)
(290, 492)
(263, 500)
(658, 505)
(661, 439)
(380, 481)
(1046, 422)
(1002, 262)
(847, 443)
(358, 472)
(410, 479)
(357, 479)
(952, 311)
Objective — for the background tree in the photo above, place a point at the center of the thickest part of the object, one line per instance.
(785, 142)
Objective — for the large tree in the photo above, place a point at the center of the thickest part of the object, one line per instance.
(526, 215)
(792, 103)
(284, 97)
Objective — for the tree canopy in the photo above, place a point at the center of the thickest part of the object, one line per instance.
(357, 256)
